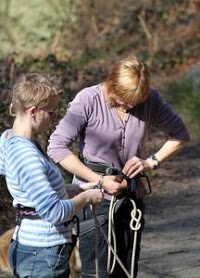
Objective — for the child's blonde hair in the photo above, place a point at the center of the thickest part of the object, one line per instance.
(33, 89)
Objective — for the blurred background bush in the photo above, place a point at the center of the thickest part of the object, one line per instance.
(78, 40)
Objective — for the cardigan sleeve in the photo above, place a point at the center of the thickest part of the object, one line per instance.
(166, 119)
(70, 126)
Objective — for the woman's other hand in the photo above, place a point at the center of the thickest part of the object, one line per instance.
(134, 166)
(113, 184)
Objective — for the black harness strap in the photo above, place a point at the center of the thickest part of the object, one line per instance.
(25, 212)
(133, 183)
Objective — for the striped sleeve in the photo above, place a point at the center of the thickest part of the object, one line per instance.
(30, 169)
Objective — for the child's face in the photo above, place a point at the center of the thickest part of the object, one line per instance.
(46, 115)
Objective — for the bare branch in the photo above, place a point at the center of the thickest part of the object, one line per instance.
(144, 27)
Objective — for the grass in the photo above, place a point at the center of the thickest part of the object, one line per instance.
(185, 96)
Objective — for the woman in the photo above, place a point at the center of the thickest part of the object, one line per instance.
(110, 120)
(42, 241)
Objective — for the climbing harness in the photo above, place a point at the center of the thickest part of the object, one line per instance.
(128, 194)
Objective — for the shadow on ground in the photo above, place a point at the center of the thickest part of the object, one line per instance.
(171, 240)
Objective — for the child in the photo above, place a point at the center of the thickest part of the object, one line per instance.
(42, 241)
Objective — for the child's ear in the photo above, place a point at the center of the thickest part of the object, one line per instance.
(32, 111)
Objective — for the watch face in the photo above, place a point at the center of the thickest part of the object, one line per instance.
(154, 161)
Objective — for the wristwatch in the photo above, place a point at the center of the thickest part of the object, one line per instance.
(155, 162)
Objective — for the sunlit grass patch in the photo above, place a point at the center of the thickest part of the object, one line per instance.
(185, 96)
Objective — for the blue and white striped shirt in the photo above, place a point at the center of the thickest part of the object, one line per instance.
(35, 181)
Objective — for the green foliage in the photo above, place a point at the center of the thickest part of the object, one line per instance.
(76, 40)
(87, 56)
(185, 95)
(25, 25)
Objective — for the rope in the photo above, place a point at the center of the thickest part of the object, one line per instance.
(112, 239)
(109, 244)
(111, 235)
(135, 228)
(96, 242)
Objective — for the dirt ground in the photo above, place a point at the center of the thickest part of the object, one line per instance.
(171, 239)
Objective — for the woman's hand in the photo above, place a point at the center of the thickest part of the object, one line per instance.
(74, 189)
(113, 185)
(134, 166)
(88, 185)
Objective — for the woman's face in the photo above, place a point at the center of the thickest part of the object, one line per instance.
(123, 105)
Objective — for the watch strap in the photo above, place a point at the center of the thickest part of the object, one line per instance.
(155, 162)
